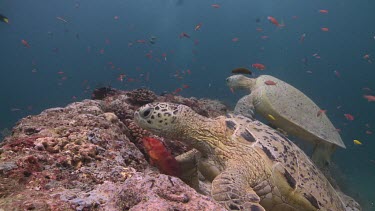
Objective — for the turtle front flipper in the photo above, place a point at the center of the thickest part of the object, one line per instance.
(192, 163)
(188, 162)
(232, 191)
(245, 106)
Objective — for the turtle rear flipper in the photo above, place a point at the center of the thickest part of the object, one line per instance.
(349, 202)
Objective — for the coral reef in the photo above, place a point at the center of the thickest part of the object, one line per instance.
(141, 96)
(89, 156)
(162, 192)
(102, 92)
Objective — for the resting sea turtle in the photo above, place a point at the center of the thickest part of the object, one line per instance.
(290, 110)
(251, 166)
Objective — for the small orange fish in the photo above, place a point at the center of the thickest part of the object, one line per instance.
(121, 77)
(272, 83)
(259, 66)
(323, 11)
(236, 39)
(370, 98)
(148, 55)
(141, 41)
(273, 20)
(215, 6)
(349, 117)
(337, 73)
(177, 90)
(160, 156)
(367, 57)
(320, 112)
(25, 43)
(325, 29)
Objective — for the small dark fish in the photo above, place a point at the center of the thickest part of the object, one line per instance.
(152, 40)
(4, 19)
(241, 70)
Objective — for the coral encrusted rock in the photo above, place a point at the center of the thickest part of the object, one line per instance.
(88, 156)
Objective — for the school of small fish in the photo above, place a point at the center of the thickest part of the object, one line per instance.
(267, 28)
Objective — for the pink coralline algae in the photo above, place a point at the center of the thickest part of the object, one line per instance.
(88, 156)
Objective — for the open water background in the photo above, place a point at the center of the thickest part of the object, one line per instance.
(94, 48)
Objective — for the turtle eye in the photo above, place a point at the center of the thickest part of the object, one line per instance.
(146, 113)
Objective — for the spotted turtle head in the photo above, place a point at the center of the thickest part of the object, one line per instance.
(240, 82)
(159, 118)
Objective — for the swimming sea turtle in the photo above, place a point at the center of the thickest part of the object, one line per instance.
(290, 110)
(251, 166)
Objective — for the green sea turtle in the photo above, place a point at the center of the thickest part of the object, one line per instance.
(251, 166)
(290, 110)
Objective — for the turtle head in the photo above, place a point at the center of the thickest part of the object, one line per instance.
(159, 118)
(235, 82)
(165, 119)
(179, 122)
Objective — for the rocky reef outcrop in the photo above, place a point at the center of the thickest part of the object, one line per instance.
(89, 156)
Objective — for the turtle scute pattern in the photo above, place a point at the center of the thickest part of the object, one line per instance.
(284, 157)
(258, 167)
(293, 105)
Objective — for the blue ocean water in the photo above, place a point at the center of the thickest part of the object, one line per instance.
(76, 46)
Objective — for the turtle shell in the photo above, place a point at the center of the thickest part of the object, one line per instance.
(289, 109)
(291, 173)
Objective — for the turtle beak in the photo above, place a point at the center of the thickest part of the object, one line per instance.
(232, 90)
